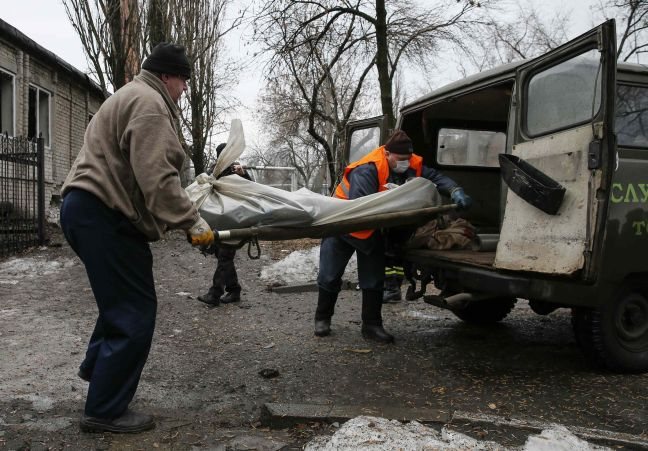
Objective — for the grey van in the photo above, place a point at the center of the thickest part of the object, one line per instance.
(554, 152)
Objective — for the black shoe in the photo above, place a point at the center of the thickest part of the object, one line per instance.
(232, 296)
(377, 333)
(391, 296)
(210, 299)
(83, 374)
(129, 422)
(322, 327)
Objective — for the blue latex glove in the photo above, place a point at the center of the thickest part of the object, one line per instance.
(463, 200)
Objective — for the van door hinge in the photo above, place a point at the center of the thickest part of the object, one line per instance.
(594, 155)
(599, 38)
(598, 128)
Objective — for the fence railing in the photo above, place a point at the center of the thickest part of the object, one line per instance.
(283, 177)
(22, 194)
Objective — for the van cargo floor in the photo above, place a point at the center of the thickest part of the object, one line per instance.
(427, 256)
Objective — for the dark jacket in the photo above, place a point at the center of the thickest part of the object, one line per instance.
(363, 180)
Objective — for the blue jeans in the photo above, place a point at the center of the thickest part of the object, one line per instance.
(119, 265)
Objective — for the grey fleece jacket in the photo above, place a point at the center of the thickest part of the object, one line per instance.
(131, 158)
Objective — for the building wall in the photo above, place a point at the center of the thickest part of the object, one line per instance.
(71, 105)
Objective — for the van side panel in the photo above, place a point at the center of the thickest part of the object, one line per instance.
(626, 241)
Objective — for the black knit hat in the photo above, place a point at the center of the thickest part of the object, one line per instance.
(399, 143)
(168, 58)
(220, 148)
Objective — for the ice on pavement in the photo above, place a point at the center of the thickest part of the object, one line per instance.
(301, 267)
(381, 434)
(558, 438)
(16, 269)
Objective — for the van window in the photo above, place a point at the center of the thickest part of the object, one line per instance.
(363, 141)
(564, 95)
(632, 116)
(470, 147)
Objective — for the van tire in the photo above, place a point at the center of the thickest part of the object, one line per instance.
(487, 311)
(615, 335)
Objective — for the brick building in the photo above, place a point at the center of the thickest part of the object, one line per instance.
(42, 95)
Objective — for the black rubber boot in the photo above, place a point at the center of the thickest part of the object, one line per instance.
(372, 327)
(231, 297)
(325, 309)
(211, 298)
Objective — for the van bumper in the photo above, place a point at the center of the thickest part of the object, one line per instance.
(565, 291)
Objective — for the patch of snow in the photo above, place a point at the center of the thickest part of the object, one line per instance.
(8, 313)
(301, 267)
(558, 438)
(420, 315)
(49, 425)
(381, 434)
(39, 403)
(32, 267)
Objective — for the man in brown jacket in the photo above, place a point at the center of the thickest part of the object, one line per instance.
(122, 192)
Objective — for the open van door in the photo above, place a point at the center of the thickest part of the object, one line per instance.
(363, 136)
(564, 128)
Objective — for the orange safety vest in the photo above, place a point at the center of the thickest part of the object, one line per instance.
(378, 158)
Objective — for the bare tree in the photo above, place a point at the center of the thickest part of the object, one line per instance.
(158, 24)
(331, 49)
(507, 36)
(632, 26)
(117, 34)
(386, 34)
(109, 31)
(321, 81)
(199, 24)
(289, 144)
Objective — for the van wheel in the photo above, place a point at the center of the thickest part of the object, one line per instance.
(615, 335)
(487, 311)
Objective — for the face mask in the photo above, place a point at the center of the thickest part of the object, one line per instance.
(401, 166)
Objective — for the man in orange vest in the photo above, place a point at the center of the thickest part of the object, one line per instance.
(395, 162)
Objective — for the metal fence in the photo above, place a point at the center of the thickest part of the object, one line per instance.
(22, 194)
(277, 176)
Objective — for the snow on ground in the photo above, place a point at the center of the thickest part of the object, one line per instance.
(16, 269)
(380, 434)
(300, 267)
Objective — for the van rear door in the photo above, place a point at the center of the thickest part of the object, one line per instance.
(563, 113)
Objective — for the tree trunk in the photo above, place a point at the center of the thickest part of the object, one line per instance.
(382, 64)
(158, 22)
(114, 18)
(130, 24)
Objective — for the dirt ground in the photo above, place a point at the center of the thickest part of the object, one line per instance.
(203, 383)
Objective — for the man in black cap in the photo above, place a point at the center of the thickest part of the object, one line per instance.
(122, 192)
(225, 287)
(393, 163)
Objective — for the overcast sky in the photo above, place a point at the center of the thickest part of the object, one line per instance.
(45, 22)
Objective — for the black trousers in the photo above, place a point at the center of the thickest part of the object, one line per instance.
(119, 265)
(335, 253)
(225, 277)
